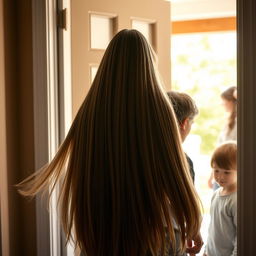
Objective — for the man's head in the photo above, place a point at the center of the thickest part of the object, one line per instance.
(185, 110)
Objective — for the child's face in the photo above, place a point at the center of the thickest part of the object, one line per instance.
(225, 178)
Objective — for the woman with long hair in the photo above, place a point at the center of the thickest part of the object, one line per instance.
(229, 102)
(229, 132)
(125, 188)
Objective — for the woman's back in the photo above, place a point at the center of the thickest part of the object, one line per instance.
(124, 174)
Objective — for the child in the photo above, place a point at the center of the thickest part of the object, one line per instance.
(223, 225)
(121, 169)
(185, 110)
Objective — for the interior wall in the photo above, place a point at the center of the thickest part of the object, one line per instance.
(17, 119)
(4, 209)
(158, 10)
(11, 122)
(26, 121)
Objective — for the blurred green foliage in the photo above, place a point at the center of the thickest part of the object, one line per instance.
(203, 65)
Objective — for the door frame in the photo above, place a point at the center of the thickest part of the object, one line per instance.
(246, 52)
(46, 117)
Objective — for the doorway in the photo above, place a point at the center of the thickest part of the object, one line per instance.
(204, 64)
(241, 131)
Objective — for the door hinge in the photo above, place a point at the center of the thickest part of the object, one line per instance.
(62, 19)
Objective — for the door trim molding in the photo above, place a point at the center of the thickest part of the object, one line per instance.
(40, 117)
(246, 28)
(46, 119)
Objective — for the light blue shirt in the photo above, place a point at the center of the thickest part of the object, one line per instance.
(222, 238)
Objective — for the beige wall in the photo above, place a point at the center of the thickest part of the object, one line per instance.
(16, 117)
(158, 10)
(26, 122)
(4, 213)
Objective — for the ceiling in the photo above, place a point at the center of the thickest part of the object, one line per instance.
(202, 9)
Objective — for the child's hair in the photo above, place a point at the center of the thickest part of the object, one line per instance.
(228, 95)
(122, 173)
(184, 106)
(225, 156)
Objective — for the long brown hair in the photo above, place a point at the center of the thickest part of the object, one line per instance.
(228, 95)
(124, 178)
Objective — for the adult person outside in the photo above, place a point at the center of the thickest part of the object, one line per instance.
(185, 110)
(229, 132)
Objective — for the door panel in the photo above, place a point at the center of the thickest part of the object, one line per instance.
(93, 24)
